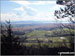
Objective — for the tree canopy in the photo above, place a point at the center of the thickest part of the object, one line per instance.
(68, 11)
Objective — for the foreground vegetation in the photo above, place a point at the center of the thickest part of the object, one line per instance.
(37, 42)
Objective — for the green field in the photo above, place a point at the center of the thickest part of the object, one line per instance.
(56, 42)
(56, 38)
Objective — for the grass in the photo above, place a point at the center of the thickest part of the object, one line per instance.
(56, 42)
(50, 45)
(42, 35)
(53, 39)
(37, 33)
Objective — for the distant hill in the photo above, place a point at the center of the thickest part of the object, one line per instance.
(35, 25)
(39, 26)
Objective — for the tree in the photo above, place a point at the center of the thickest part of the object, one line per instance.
(9, 44)
(67, 12)
(64, 2)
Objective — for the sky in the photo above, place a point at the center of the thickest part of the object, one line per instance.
(29, 10)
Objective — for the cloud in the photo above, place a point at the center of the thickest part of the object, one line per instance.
(57, 7)
(26, 12)
(25, 5)
(42, 16)
(19, 9)
(21, 2)
(35, 3)
(43, 2)
(30, 10)
(25, 9)
(7, 16)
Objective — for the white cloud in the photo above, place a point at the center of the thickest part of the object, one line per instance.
(35, 3)
(39, 15)
(23, 9)
(57, 7)
(26, 3)
(19, 9)
(22, 2)
(42, 16)
(7, 16)
(43, 2)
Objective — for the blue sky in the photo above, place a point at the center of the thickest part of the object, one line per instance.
(29, 10)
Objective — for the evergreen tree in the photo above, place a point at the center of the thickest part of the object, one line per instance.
(9, 44)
